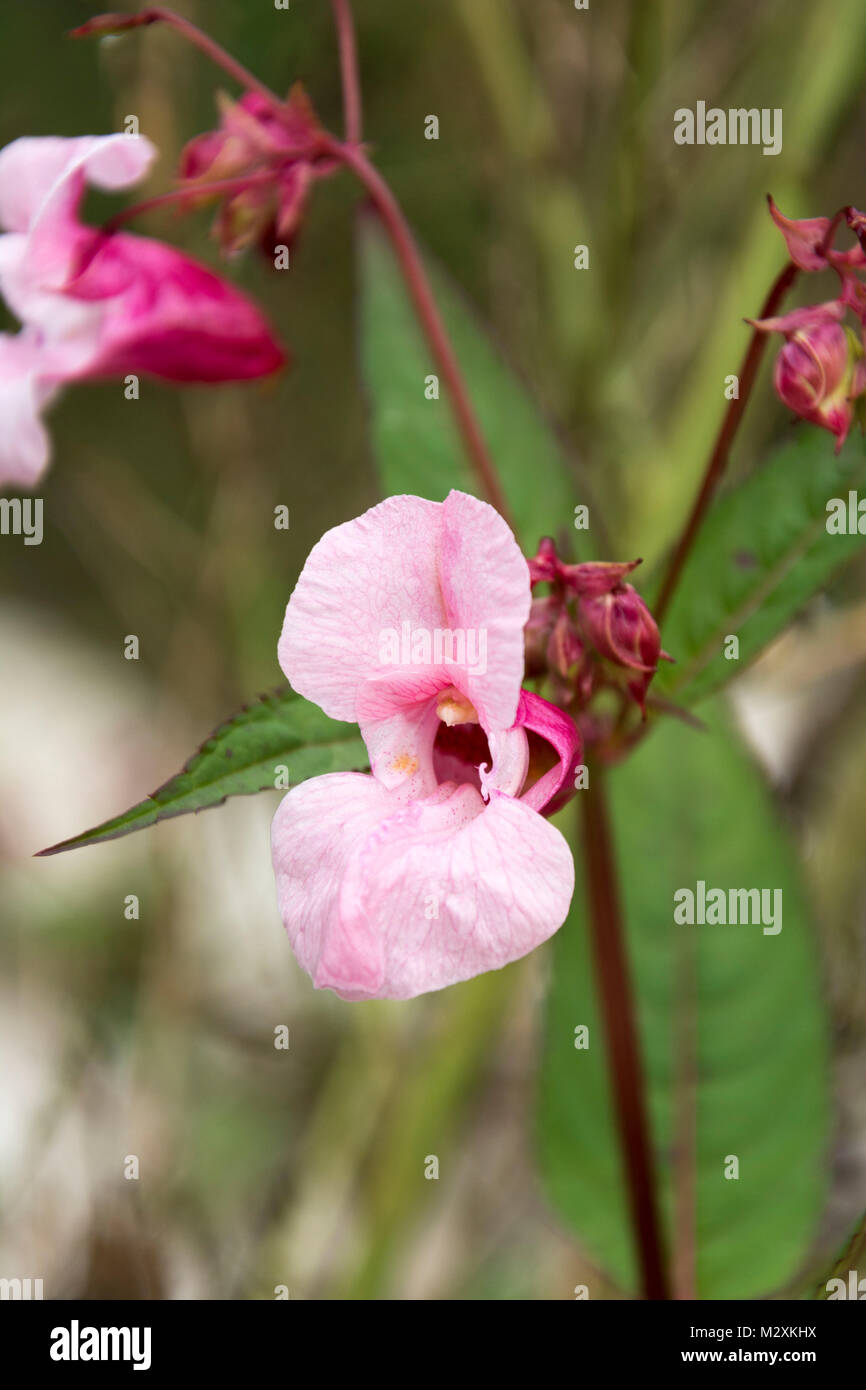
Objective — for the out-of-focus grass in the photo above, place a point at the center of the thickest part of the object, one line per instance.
(155, 1036)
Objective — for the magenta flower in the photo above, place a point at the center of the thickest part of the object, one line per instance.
(94, 304)
(438, 865)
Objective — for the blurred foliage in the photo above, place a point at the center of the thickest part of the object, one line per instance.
(278, 736)
(732, 1033)
(416, 443)
(155, 1036)
(762, 554)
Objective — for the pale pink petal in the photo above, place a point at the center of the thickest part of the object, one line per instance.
(509, 762)
(399, 723)
(437, 891)
(434, 592)
(33, 289)
(42, 180)
(317, 828)
(362, 581)
(43, 177)
(25, 447)
(485, 581)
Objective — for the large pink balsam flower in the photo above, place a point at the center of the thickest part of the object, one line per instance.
(94, 304)
(437, 865)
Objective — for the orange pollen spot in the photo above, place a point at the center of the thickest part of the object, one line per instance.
(405, 763)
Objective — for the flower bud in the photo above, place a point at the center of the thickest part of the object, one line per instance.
(622, 630)
(811, 366)
(274, 151)
(565, 649)
(816, 372)
(544, 566)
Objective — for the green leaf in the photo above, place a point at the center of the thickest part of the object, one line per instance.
(763, 552)
(415, 440)
(731, 1022)
(240, 757)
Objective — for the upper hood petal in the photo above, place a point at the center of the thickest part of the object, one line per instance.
(435, 592)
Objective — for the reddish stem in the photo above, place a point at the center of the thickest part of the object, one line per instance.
(623, 1046)
(721, 449)
(418, 285)
(177, 195)
(156, 14)
(348, 69)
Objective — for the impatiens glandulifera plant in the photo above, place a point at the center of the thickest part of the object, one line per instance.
(458, 677)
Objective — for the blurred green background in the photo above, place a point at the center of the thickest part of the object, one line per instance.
(154, 1037)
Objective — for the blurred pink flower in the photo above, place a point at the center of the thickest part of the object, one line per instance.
(94, 304)
(439, 865)
(277, 149)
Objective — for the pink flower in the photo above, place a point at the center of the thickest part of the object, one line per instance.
(437, 866)
(98, 305)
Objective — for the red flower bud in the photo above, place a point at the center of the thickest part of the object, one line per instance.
(565, 649)
(544, 567)
(811, 366)
(816, 373)
(623, 631)
(276, 150)
(591, 631)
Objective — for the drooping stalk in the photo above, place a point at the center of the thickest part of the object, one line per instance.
(620, 1026)
(388, 209)
(427, 313)
(157, 14)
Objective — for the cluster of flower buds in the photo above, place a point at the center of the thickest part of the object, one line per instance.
(820, 372)
(259, 166)
(591, 630)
